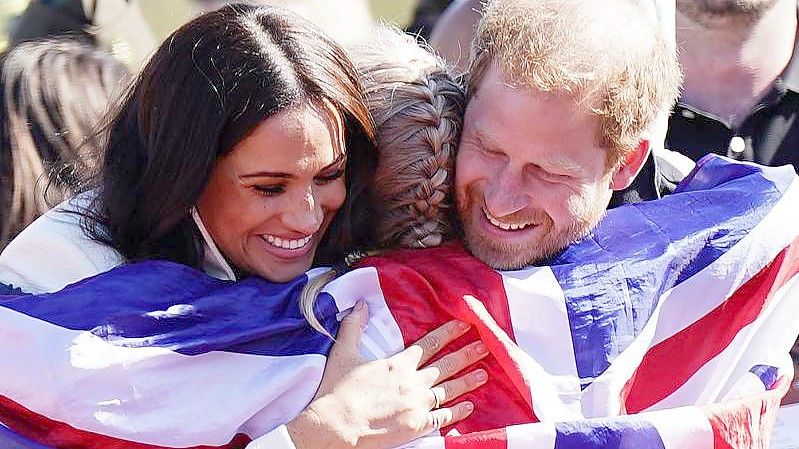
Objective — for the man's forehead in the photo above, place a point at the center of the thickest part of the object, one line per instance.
(498, 81)
(552, 157)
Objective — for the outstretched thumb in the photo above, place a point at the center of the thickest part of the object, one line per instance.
(351, 329)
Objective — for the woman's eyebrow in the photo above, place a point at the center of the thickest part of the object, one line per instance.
(341, 158)
(261, 174)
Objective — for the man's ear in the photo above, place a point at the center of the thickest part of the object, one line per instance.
(630, 166)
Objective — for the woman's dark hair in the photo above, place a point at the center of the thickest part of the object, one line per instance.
(53, 96)
(206, 88)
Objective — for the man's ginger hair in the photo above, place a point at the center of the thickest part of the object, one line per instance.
(610, 55)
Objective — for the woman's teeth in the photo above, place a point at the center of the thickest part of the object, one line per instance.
(287, 243)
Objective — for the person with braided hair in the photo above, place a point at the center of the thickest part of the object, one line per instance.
(417, 106)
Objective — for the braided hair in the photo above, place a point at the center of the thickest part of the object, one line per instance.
(417, 106)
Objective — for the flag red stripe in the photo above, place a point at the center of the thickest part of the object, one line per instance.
(424, 289)
(46, 431)
(687, 351)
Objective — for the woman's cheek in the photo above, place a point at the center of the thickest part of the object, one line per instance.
(334, 195)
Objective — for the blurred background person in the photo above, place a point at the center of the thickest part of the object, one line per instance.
(54, 93)
(452, 35)
(426, 15)
(117, 26)
(740, 95)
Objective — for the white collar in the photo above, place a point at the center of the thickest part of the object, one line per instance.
(214, 263)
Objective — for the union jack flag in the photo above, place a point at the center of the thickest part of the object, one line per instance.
(668, 327)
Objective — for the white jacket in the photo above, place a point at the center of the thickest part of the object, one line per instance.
(54, 252)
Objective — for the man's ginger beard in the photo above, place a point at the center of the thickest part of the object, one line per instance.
(587, 210)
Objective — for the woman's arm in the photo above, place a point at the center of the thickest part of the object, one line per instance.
(384, 403)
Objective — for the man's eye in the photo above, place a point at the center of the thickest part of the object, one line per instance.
(329, 178)
(554, 176)
(541, 173)
(270, 190)
(489, 152)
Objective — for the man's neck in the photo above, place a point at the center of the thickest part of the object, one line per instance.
(730, 65)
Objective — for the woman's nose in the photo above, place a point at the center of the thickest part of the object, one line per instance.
(306, 214)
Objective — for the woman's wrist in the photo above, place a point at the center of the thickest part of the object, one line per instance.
(320, 426)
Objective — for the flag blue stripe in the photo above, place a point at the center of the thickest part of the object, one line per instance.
(163, 304)
(619, 433)
(633, 253)
(767, 374)
(12, 440)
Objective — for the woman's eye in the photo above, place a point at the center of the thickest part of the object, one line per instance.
(271, 190)
(329, 178)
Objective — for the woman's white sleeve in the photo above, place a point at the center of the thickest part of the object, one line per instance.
(276, 439)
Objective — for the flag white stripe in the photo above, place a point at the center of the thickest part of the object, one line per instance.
(382, 336)
(541, 329)
(136, 393)
(715, 283)
(527, 436)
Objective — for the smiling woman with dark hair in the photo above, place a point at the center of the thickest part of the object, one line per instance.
(246, 117)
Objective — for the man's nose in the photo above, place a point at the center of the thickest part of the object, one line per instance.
(306, 214)
(505, 195)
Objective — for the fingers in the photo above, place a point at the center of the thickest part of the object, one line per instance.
(444, 417)
(452, 389)
(453, 363)
(351, 329)
(426, 347)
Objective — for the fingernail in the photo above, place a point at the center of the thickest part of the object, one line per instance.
(481, 375)
(468, 406)
(359, 306)
(480, 348)
(463, 326)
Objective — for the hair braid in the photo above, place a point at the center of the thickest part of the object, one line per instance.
(428, 224)
(418, 108)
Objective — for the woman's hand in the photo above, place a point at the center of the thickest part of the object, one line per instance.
(384, 403)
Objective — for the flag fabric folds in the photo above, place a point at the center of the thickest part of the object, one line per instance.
(668, 327)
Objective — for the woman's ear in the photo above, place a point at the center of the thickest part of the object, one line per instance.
(630, 166)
